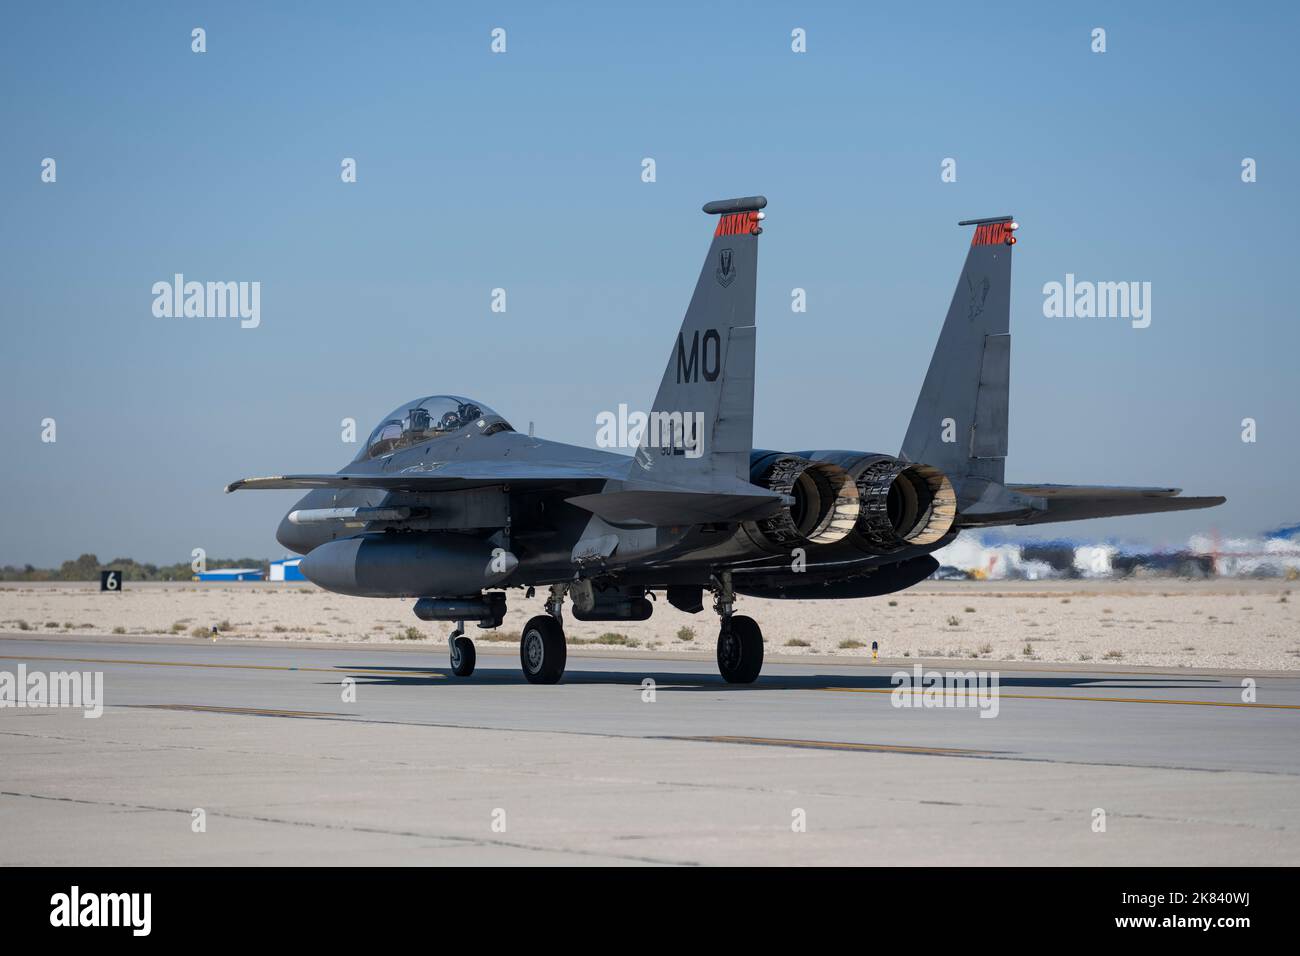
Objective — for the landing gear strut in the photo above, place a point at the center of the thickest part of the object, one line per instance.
(740, 640)
(462, 651)
(542, 649)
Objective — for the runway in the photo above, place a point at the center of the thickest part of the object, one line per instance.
(811, 765)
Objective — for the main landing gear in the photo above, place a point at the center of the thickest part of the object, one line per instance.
(542, 650)
(740, 640)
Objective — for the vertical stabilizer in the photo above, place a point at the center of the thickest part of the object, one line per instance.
(701, 426)
(959, 424)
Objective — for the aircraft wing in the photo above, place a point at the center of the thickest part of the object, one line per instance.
(1078, 502)
(656, 504)
(450, 477)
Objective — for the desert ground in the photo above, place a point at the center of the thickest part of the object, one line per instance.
(1216, 623)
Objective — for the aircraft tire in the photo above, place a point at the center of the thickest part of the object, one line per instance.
(462, 657)
(740, 650)
(542, 650)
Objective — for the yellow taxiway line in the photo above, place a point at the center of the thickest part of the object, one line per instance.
(244, 711)
(834, 745)
(340, 671)
(1112, 700)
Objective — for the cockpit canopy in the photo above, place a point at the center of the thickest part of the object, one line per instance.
(425, 419)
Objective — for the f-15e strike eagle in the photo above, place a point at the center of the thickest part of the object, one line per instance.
(448, 504)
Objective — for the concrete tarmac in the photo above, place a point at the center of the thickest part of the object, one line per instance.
(813, 764)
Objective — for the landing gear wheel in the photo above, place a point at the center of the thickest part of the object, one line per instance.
(462, 657)
(542, 651)
(740, 650)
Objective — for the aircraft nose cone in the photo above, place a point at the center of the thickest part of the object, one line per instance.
(292, 537)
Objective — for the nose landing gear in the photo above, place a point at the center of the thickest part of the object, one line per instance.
(462, 651)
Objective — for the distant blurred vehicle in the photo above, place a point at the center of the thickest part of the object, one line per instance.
(948, 573)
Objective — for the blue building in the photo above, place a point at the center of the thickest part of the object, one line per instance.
(229, 574)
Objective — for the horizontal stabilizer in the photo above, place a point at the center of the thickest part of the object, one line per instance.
(1079, 509)
(1079, 502)
(1094, 491)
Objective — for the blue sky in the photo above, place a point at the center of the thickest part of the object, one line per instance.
(522, 171)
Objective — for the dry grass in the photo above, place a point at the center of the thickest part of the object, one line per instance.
(1164, 622)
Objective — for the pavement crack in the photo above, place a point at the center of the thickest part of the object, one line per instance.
(353, 828)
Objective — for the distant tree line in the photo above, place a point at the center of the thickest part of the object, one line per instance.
(88, 566)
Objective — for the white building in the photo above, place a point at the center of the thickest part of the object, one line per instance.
(286, 569)
(1094, 560)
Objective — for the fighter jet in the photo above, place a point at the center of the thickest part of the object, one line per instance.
(448, 504)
